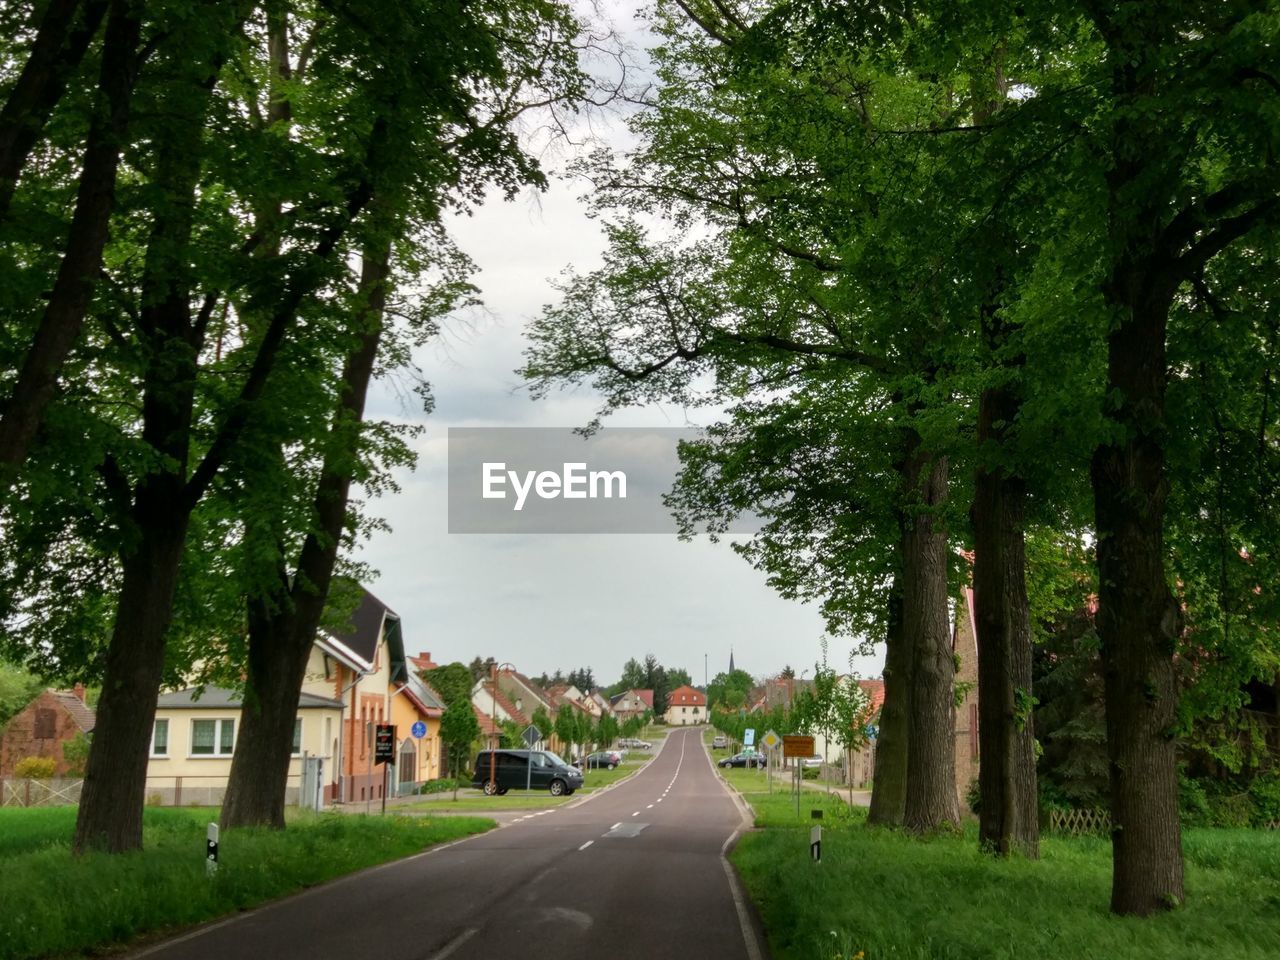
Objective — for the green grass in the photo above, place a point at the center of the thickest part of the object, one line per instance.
(890, 896)
(54, 903)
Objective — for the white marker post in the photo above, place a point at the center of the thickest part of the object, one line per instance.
(211, 850)
(815, 837)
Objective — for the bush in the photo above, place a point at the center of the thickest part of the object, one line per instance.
(1265, 792)
(811, 773)
(973, 797)
(1193, 802)
(1231, 810)
(441, 786)
(35, 768)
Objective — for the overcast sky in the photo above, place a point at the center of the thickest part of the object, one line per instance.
(546, 601)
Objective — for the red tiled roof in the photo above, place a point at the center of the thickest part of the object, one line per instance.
(423, 662)
(686, 696)
(875, 691)
(82, 715)
(646, 696)
(487, 727)
(496, 692)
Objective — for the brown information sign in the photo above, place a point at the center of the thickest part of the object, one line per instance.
(797, 746)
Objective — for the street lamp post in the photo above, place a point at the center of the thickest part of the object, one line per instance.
(493, 736)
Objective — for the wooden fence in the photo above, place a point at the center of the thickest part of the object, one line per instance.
(1080, 823)
(54, 792)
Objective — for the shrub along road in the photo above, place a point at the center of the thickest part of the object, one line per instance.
(631, 872)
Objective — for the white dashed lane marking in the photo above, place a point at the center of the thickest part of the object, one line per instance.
(587, 844)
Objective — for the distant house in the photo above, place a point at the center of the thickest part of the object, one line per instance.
(685, 706)
(964, 645)
(631, 703)
(862, 762)
(602, 702)
(40, 729)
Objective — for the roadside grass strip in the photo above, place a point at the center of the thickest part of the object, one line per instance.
(880, 894)
(54, 904)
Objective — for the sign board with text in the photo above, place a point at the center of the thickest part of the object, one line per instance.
(797, 746)
(384, 743)
(749, 737)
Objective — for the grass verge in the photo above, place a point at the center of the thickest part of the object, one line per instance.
(54, 903)
(879, 894)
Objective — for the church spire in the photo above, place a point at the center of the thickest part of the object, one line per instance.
(731, 659)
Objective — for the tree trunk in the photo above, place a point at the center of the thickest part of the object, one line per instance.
(64, 34)
(889, 783)
(283, 627)
(931, 778)
(260, 767)
(1009, 816)
(110, 813)
(77, 274)
(1138, 618)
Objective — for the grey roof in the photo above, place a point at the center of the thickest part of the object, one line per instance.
(220, 698)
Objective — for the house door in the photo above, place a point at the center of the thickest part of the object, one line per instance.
(407, 765)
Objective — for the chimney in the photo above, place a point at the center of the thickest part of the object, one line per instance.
(78, 690)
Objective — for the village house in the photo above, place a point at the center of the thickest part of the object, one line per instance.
(357, 676)
(685, 706)
(193, 738)
(631, 703)
(42, 728)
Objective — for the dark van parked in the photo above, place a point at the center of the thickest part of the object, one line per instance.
(540, 769)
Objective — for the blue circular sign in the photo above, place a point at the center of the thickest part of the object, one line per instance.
(419, 729)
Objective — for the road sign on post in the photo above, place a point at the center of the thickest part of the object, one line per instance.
(749, 737)
(530, 736)
(384, 743)
(770, 741)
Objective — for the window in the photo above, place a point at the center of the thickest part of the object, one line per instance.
(297, 736)
(213, 738)
(46, 724)
(160, 739)
(684, 709)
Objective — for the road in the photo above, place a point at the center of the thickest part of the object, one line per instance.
(634, 872)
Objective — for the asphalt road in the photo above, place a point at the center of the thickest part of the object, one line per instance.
(634, 872)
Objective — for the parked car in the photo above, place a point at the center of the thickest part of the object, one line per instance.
(747, 758)
(606, 759)
(540, 769)
(720, 742)
(814, 761)
(635, 744)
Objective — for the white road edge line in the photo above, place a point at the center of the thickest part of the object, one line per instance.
(452, 946)
(587, 844)
(735, 887)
